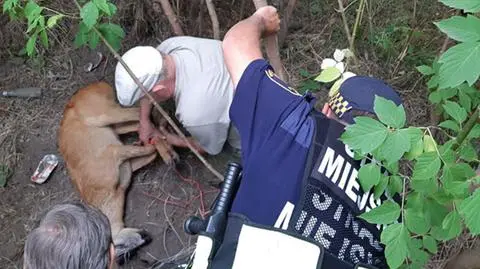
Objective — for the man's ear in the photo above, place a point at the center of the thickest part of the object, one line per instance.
(158, 87)
(111, 264)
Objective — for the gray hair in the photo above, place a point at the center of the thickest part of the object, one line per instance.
(70, 236)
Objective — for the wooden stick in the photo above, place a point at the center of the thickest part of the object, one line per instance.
(214, 18)
(172, 18)
(286, 19)
(272, 47)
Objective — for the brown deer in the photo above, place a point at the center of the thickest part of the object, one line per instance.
(99, 165)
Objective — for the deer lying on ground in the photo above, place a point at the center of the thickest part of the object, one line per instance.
(99, 165)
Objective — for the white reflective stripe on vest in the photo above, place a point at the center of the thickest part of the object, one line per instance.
(262, 248)
(202, 252)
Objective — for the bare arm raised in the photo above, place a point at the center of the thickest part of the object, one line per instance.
(241, 44)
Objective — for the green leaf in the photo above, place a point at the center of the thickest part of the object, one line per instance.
(430, 244)
(469, 209)
(435, 97)
(450, 124)
(455, 111)
(416, 221)
(391, 232)
(89, 14)
(452, 224)
(427, 165)
(465, 101)
(395, 185)
(396, 249)
(113, 9)
(418, 256)
(44, 38)
(460, 64)
(433, 82)
(365, 135)
(369, 176)
(5, 174)
(53, 20)
(396, 144)
(448, 93)
(415, 200)
(435, 211)
(464, 88)
(380, 187)
(475, 132)
(389, 113)
(103, 6)
(113, 33)
(304, 73)
(466, 5)
(30, 47)
(463, 29)
(386, 213)
(93, 39)
(425, 70)
(9, 5)
(415, 150)
(424, 184)
(467, 152)
(82, 36)
(328, 75)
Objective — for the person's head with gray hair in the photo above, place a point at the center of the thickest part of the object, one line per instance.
(70, 236)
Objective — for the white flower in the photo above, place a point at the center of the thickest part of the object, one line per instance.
(337, 62)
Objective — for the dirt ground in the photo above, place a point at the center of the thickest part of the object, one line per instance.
(161, 198)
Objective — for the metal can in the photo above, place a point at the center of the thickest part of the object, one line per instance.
(45, 168)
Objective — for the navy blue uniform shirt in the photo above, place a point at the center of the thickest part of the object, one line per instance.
(276, 132)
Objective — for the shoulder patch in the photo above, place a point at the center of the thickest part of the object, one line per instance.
(274, 78)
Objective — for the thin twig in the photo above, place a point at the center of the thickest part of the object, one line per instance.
(214, 18)
(286, 19)
(361, 6)
(345, 22)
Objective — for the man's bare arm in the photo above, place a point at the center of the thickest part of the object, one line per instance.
(241, 44)
(177, 141)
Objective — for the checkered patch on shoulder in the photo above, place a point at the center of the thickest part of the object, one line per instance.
(339, 105)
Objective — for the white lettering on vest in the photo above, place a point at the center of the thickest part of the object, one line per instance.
(331, 165)
(284, 218)
(353, 184)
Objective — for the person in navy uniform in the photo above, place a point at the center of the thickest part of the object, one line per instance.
(299, 180)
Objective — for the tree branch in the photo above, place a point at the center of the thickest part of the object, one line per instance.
(286, 19)
(172, 18)
(345, 23)
(272, 47)
(214, 18)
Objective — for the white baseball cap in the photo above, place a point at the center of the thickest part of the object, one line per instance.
(146, 63)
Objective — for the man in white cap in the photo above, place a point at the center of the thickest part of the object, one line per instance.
(191, 71)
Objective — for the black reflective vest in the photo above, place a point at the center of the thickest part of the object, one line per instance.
(326, 213)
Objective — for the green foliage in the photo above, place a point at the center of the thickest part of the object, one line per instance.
(328, 75)
(369, 176)
(5, 174)
(386, 213)
(466, 5)
(40, 20)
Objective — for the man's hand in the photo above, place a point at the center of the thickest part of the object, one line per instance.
(177, 141)
(148, 134)
(270, 20)
(241, 44)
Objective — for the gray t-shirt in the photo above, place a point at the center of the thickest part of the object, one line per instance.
(203, 90)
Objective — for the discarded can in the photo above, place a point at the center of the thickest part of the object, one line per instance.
(45, 168)
(23, 92)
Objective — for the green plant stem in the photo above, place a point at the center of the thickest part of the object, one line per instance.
(466, 130)
(60, 13)
(355, 26)
(155, 104)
